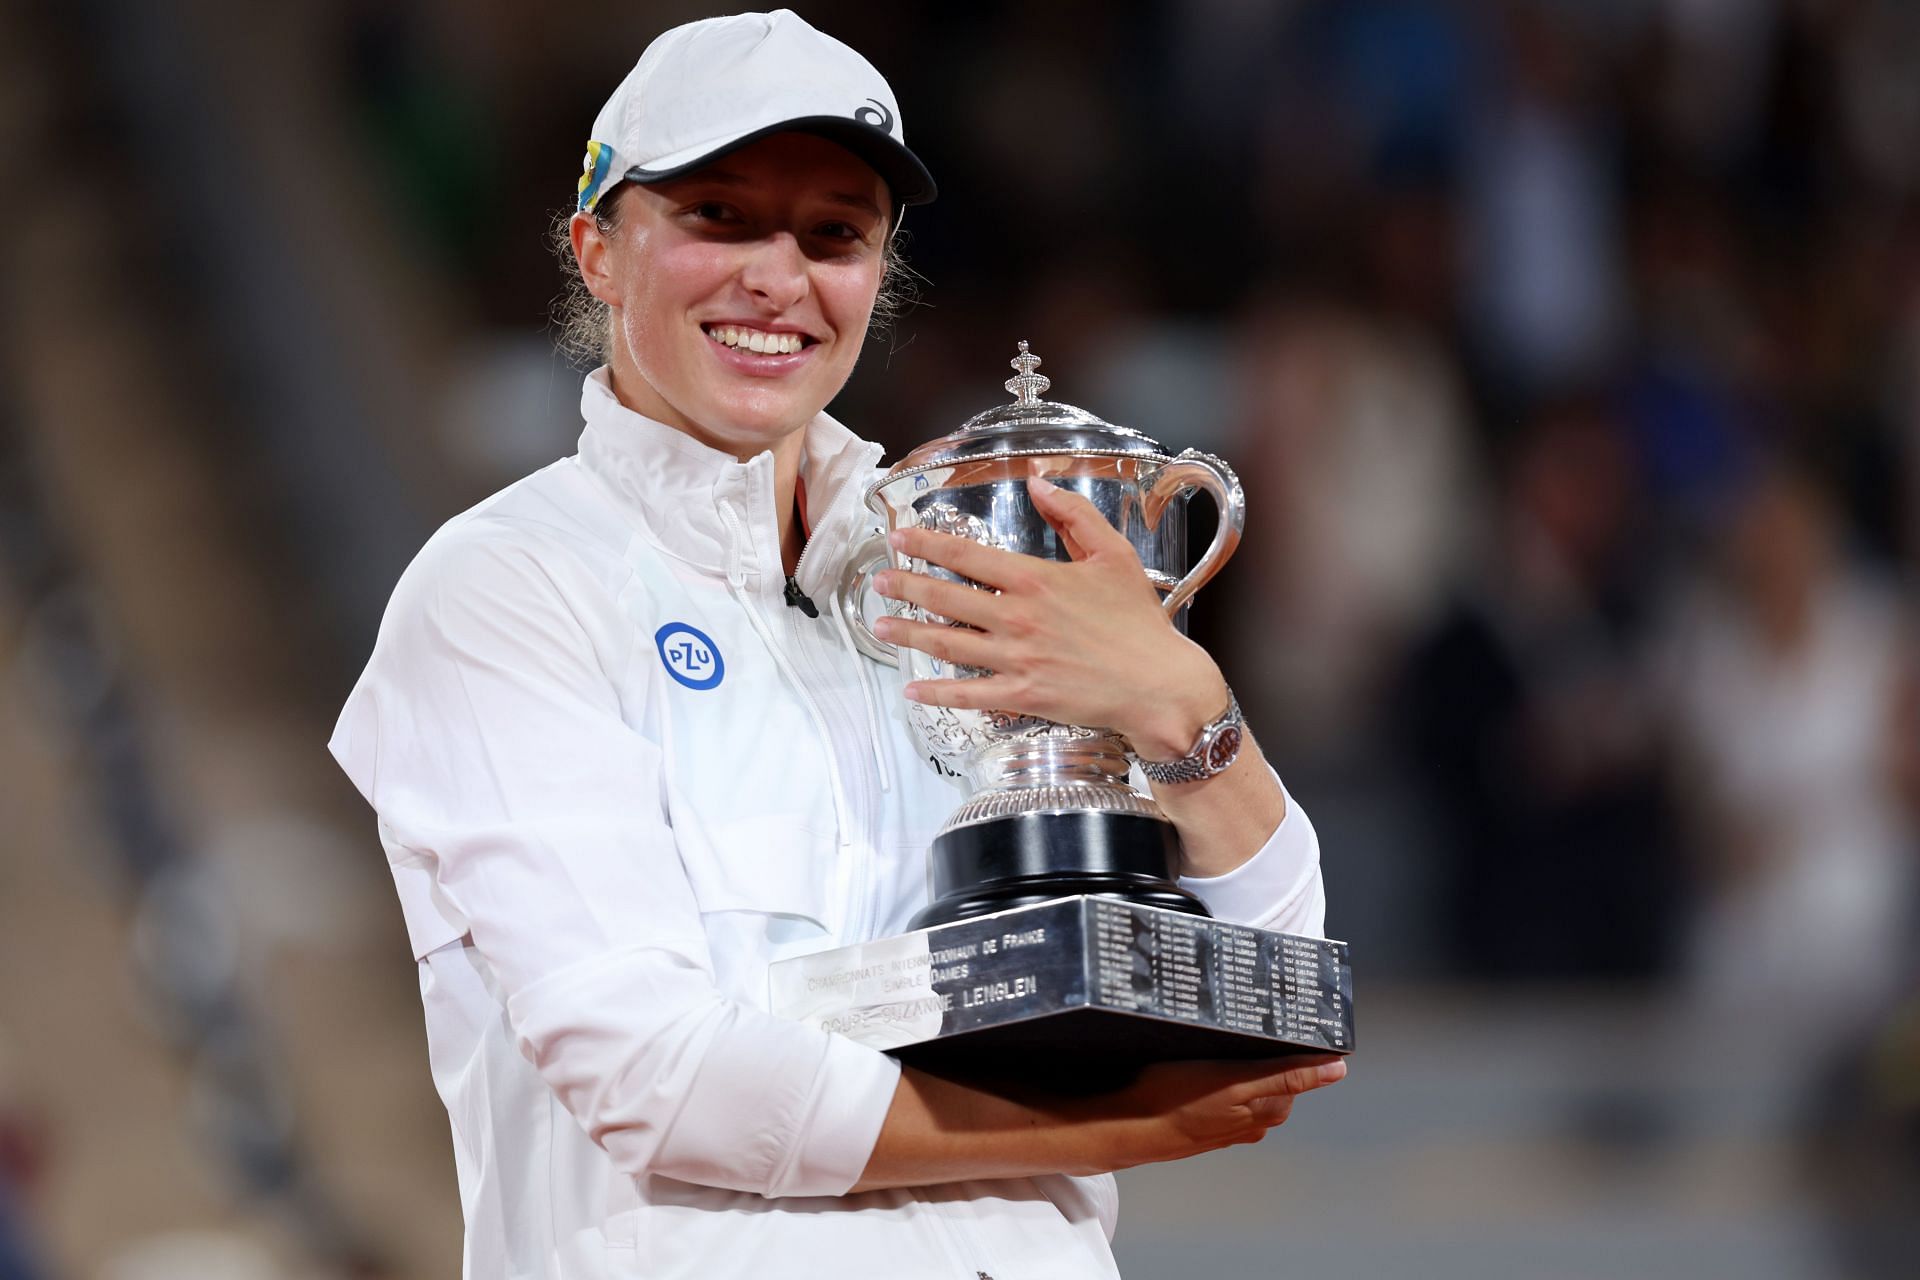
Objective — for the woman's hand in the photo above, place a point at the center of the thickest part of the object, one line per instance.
(939, 1130)
(1084, 643)
(1180, 1109)
(1088, 643)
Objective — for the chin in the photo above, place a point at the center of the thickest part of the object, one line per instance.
(745, 431)
(764, 419)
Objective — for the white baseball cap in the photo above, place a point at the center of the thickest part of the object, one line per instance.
(709, 87)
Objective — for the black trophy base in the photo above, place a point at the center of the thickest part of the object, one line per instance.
(1077, 994)
(1037, 857)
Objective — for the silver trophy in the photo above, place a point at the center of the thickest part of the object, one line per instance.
(1052, 812)
(1058, 950)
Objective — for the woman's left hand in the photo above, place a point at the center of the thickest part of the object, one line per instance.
(1085, 642)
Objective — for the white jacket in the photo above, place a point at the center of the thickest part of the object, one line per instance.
(616, 776)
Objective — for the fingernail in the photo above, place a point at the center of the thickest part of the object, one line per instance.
(883, 627)
(1041, 484)
(897, 539)
(912, 692)
(883, 583)
(1331, 1071)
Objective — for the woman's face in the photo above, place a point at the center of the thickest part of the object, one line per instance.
(741, 292)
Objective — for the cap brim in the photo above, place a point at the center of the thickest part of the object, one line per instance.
(907, 179)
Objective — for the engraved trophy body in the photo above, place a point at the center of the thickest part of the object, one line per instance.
(1052, 811)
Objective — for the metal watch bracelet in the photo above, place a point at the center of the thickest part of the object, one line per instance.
(1217, 747)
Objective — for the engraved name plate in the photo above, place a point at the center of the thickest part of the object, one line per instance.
(1077, 989)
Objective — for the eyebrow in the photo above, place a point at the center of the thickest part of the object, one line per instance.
(858, 202)
(728, 178)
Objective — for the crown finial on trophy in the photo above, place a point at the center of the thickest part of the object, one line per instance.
(1027, 386)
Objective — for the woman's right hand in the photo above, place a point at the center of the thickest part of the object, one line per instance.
(1180, 1109)
(940, 1130)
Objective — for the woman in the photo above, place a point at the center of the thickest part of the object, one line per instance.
(617, 776)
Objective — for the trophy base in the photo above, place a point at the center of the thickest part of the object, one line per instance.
(1004, 863)
(1075, 995)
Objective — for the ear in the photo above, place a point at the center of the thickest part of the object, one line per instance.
(592, 254)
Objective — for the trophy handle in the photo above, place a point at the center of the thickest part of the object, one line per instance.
(1196, 470)
(867, 557)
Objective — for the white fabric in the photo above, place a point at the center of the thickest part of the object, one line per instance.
(702, 87)
(597, 861)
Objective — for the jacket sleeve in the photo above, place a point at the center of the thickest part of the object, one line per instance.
(487, 733)
(1277, 888)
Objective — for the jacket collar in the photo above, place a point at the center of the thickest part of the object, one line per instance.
(712, 510)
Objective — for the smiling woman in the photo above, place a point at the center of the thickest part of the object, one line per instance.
(583, 323)
(780, 245)
(617, 777)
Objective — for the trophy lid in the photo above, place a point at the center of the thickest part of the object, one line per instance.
(1029, 425)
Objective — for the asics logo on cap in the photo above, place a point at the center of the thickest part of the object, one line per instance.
(876, 116)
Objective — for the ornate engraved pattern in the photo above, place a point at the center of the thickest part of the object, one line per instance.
(999, 455)
(942, 517)
(1026, 385)
(989, 805)
(961, 738)
(1234, 492)
(954, 736)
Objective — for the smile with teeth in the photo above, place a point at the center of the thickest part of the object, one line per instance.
(740, 339)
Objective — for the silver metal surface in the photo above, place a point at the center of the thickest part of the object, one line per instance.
(1030, 427)
(973, 483)
(1026, 385)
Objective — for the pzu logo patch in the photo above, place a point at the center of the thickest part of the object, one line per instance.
(690, 655)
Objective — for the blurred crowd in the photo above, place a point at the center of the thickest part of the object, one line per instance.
(1570, 356)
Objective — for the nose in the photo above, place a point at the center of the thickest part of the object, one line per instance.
(776, 272)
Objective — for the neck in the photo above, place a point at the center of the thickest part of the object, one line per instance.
(786, 475)
(634, 392)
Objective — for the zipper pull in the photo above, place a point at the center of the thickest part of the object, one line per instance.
(797, 599)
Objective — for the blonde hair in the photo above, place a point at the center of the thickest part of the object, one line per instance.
(583, 325)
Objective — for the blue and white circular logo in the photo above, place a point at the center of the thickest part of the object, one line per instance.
(691, 657)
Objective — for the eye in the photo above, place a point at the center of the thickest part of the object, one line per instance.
(840, 236)
(714, 212)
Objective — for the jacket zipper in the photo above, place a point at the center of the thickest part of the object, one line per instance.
(860, 872)
(736, 582)
(798, 599)
(865, 905)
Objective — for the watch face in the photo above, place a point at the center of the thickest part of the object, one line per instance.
(1222, 751)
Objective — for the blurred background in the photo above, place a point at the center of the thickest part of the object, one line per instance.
(1570, 355)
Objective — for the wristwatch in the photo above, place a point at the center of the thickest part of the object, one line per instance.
(1217, 747)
